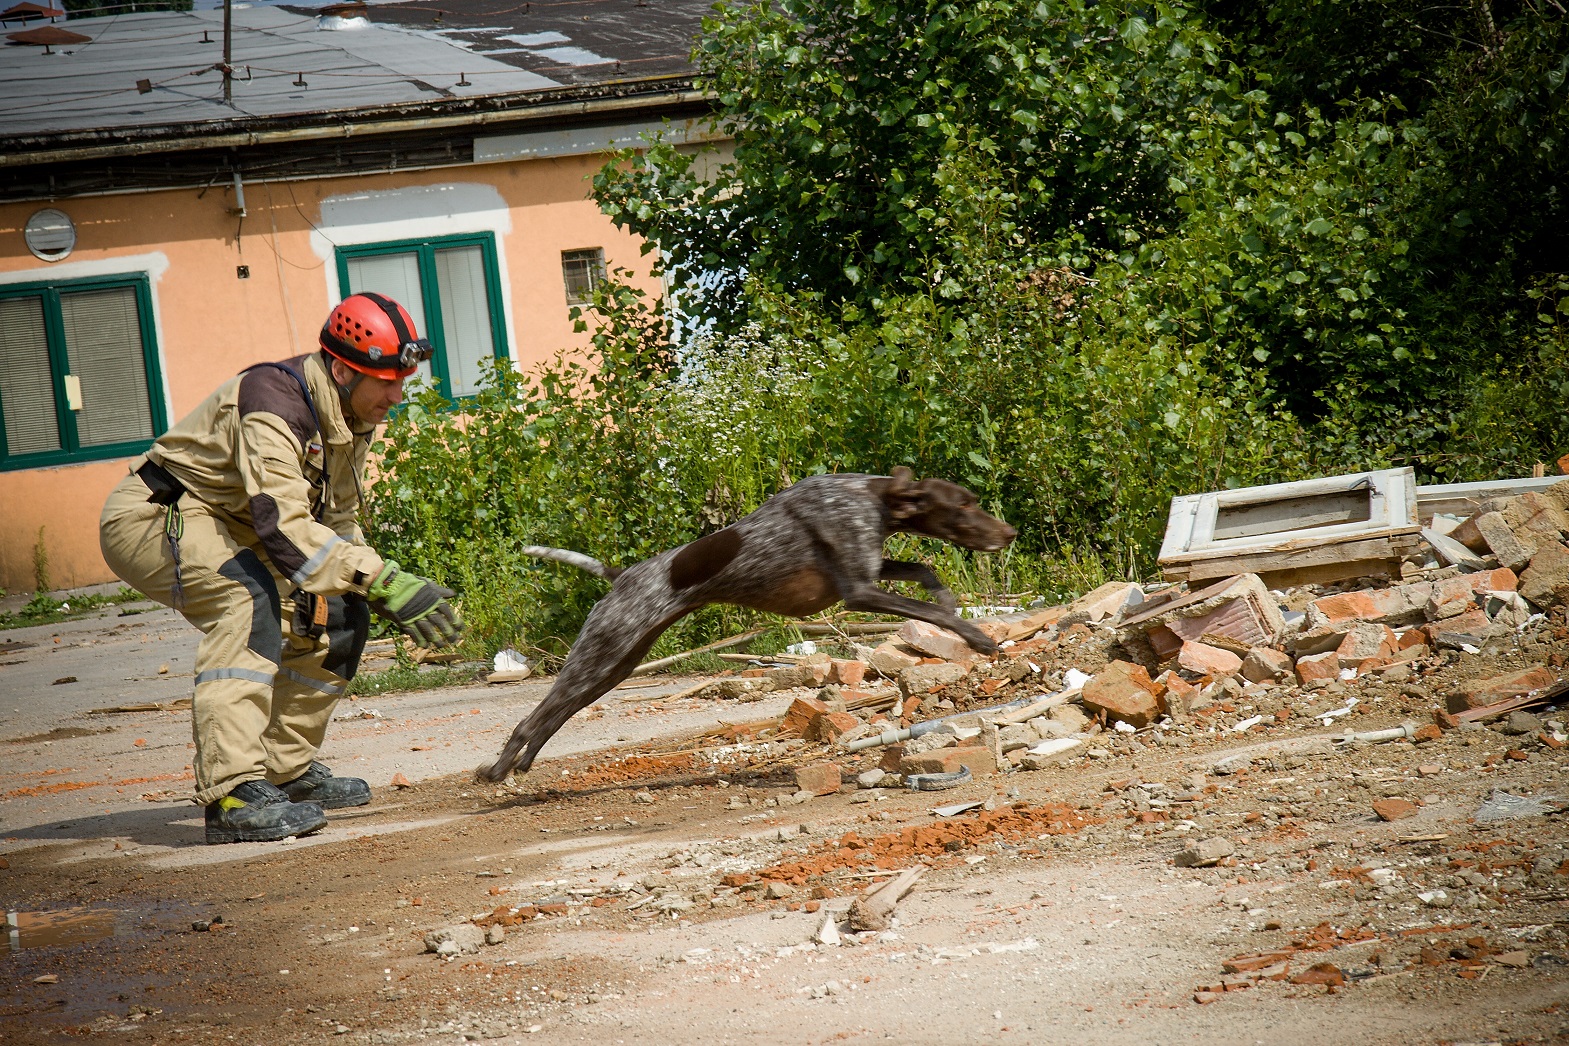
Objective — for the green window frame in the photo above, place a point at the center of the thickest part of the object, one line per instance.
(79, 374)
(438, 279)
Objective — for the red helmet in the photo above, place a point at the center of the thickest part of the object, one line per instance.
(374, 335)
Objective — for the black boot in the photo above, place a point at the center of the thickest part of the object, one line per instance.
(257, 812)
(317, 785)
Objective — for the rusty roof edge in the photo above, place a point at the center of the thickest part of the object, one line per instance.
(521, 107)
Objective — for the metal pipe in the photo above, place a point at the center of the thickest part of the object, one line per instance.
(893, 737)
(1394, 733)
(239, 196)
(228, 52)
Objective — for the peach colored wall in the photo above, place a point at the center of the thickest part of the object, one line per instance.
(210, 323)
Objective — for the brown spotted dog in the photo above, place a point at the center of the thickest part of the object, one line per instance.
(808, 547)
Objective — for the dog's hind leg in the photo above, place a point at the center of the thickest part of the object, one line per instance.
(602, 657)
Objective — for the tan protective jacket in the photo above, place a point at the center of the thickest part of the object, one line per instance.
(252, 452)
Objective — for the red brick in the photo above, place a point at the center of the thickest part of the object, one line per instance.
(1422, 637)
(829, 725)
(1318, 666)
(1124, 691)
(1401, 603)
(800, 715)
(1393, 809)
(890, 760)
(1482, 692)
(978, 758)
(1177, 694)
(848, 673)
(937, 642)
(1205, 660)
(1367, 641)
(1325, 973)
(1266, 664)
(819, 778)
(1430, 732)
(1549, 740)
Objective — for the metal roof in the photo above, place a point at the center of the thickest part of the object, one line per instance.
(154, 74)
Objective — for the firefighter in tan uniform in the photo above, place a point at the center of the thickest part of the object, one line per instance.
(243, 517)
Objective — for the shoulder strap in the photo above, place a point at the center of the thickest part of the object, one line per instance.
(310, 404)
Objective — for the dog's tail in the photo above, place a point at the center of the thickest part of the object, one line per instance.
(574, 559)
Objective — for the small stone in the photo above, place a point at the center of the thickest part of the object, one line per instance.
(1206, 853)
(399, 781)
(1429, 769)
(459, 939)
(1520, 723)
(1513, 960)
(495, 934)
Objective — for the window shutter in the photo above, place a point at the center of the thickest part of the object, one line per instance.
(103, 342)
(465, 315)
(26, 389)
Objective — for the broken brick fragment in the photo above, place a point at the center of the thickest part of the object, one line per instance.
(1205, 660)
(819, 778)
(978, 758)
(1325, 973)
(800, 715)
(1125, 692)
(1394, 808)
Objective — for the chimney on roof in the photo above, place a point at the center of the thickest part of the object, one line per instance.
(353, 14)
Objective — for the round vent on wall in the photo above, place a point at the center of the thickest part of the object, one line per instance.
(50, 234)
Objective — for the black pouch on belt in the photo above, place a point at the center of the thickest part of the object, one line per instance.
(166, 490)
(310, 614)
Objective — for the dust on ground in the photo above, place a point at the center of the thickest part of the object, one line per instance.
(662, 879)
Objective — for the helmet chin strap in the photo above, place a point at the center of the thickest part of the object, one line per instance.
(346, 389)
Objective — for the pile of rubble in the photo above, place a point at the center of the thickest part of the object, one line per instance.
(1465, 635)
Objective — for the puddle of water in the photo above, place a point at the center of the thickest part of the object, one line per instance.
(67, 927)
(64, 927)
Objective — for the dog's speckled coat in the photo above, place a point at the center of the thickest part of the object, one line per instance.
(804, 549)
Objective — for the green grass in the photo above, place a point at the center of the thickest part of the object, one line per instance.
(46, 608)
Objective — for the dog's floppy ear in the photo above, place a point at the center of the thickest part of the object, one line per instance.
(903, 496)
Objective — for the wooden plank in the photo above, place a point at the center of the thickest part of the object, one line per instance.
(1299, 554)
(1461, 499)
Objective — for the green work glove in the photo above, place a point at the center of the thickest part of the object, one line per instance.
(416, 606)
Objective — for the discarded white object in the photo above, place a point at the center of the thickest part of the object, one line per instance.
(509, 660)
(828, 935)
(1074, 678)
(1394, 733)
(359, 713)
(1351, 703)
(1125, 728)
(803, 647)
(1054, 746)
(1348, 673)
(1250, 721)
(958, 808)
(1505, 806)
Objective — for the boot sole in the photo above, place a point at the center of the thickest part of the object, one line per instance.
(339, 804)
(218, 834)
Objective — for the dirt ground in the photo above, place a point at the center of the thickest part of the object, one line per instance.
(655, 878)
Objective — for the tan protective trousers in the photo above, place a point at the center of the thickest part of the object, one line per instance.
(263, 696)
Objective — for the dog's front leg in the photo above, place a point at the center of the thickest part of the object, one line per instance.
(921, 574)
(873, 600)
